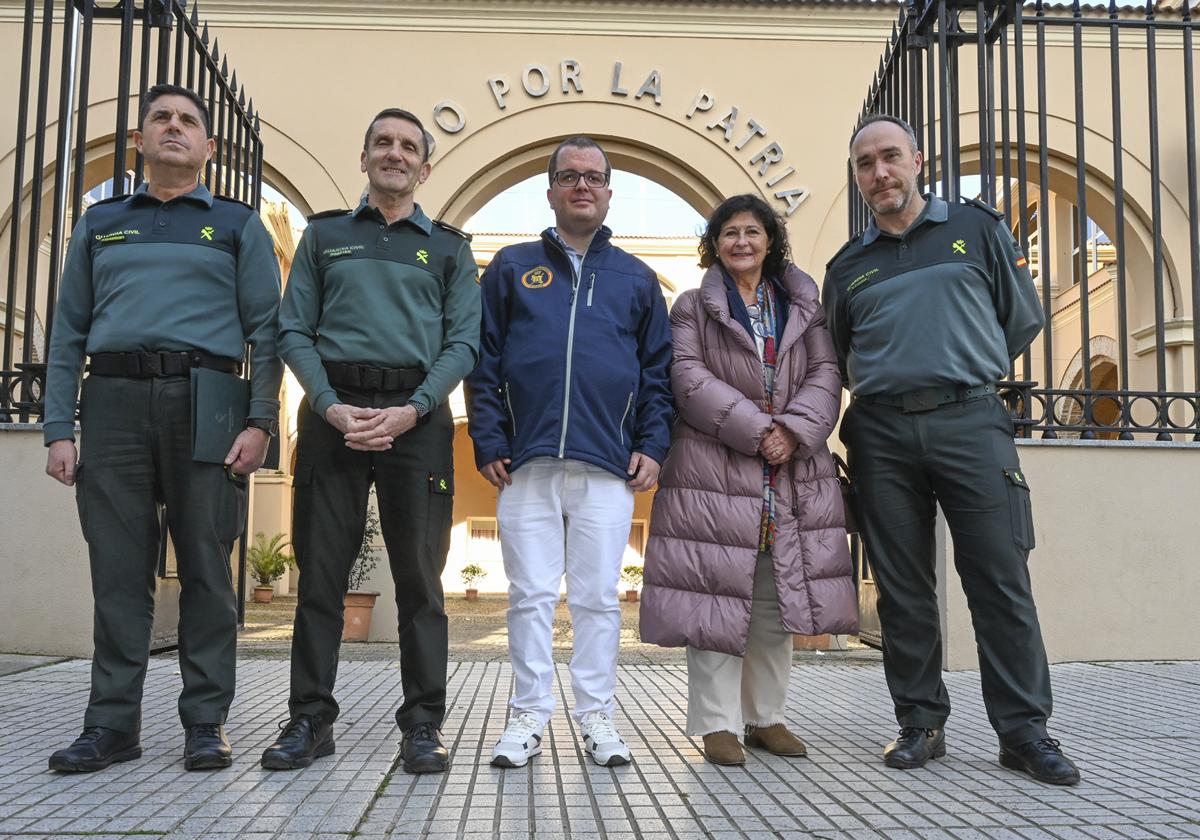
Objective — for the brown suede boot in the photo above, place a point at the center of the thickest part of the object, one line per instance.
(775, 739)
(723, 748)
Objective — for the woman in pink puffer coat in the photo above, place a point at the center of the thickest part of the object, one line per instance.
(747, 539)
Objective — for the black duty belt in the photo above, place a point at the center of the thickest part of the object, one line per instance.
(368, 378)
(162, 363)
(927, 399)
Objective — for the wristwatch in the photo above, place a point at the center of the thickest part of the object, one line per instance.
(271, 427)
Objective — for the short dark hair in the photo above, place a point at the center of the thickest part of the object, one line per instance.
(888, 118)
(579, 141)
(159, 91)
(779, 254)
(401, 114)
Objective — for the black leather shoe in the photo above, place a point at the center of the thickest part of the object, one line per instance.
(1043, 760)
(205, 747)
(96, 748)
(914, 747)
(422, 750)
(304, 738)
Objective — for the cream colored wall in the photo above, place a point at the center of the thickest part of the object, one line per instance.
(1114, 573)
(46, 599)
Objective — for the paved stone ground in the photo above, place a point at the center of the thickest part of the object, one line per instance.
(478, 632)
(1133, 727)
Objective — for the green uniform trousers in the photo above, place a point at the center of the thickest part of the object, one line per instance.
(414, 486)
(136, 453)
(961, 456)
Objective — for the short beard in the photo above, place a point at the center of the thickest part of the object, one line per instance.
(900, 208)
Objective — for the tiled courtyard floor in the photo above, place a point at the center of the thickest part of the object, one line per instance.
(1134, 728)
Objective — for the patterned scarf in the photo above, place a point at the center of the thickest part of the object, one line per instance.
(763, 319)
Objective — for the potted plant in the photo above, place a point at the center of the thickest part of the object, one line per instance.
(358, 604)
(267, 563)
(470, 574)
(632, 575)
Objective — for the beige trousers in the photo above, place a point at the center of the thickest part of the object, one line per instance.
(726, 692)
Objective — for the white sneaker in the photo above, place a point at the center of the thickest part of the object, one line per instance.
(521, 741)
(601, 740)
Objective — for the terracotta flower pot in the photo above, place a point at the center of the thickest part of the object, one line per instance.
(472, 594)
(631, 595)
(357, 622)
(263, 594)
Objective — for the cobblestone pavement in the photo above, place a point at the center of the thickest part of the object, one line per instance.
(478, 632)
(1134, 728)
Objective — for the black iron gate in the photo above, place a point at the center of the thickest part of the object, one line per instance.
(56, 170)
(1003, 60)
(1001, 64)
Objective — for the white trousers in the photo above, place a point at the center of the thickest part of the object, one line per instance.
(556, 516)
(726, 692)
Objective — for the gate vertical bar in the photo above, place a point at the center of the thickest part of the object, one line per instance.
(983, 92)
(85, 76)
(62, 165)
(139, 161)
(35, 199)
(1044, 226)
(1189, 103)
(14, 223)
(1114, 41)
(121, 127)
(1082, 228)
(1160, 349)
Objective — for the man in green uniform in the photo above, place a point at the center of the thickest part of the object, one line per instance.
(155, 284)
(380, 322)
(927, 309)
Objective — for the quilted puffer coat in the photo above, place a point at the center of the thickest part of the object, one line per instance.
(704, 531)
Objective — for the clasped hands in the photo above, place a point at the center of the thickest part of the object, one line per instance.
(371, 429)
(778, 445)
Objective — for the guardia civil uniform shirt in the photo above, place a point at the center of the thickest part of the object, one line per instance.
(399, 295)
(197, 272)
(947, 302)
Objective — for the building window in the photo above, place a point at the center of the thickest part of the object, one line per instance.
(637, 538)
(483, 544)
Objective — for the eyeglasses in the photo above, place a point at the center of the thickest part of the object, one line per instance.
(569, 178)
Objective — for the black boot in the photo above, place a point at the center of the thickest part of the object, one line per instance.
(304, 738)
(1043, 760)
(96, 748)
(914, 747)
(206, 747)
(422, 750)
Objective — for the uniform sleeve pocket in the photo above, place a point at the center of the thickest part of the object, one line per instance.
(1020, 509)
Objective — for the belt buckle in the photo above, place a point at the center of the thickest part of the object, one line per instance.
(151, 364)
(914, 402)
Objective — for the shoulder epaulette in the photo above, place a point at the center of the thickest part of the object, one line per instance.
(452, 229)
(979, 205)
(833, 259)
(231, 200)
(111, 199)
(328, 214)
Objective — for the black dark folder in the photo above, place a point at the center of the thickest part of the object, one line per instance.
(220, 402)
